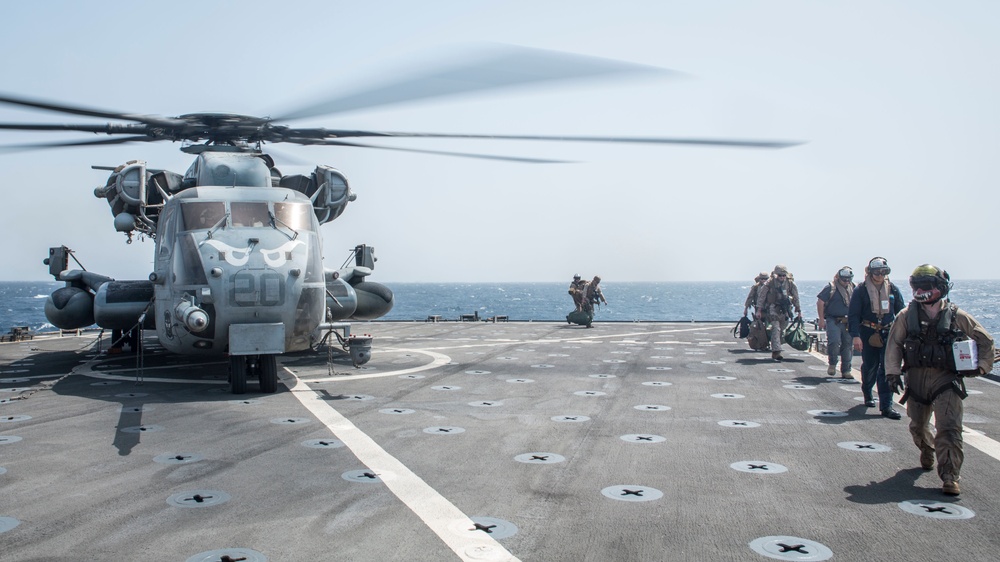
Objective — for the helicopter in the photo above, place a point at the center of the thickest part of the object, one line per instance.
(238, 261)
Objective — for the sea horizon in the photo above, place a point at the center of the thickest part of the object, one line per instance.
(548, 301)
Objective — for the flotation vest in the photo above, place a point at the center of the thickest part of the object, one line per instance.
(929, 345)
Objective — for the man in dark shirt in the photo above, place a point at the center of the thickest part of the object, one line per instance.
(833, 304)
(874, 304)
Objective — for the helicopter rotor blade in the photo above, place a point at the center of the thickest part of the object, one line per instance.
(441, 152)
(106, 128)
(78, 110)
(334, 133)
(61, 144)
(502, 66)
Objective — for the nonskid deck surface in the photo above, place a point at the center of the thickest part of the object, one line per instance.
(530, 441)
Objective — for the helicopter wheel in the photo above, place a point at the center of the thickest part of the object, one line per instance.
(238, 373)
(267, 372)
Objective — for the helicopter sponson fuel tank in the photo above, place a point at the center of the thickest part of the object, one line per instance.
(350, 296)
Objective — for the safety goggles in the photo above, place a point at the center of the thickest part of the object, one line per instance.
(923, 284)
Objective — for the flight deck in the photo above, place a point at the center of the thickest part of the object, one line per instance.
(535, 441)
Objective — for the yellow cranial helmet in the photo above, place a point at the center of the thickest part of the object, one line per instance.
(929, 283)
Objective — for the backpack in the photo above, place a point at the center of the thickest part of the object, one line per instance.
(742, 328)
(796, 336)
(758, 338)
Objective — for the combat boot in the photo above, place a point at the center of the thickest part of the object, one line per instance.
(927, 459)
(951, 488)
(831, 371)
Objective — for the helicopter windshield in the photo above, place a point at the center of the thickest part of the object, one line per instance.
(296, 216)
(201, 215)
(250, 214)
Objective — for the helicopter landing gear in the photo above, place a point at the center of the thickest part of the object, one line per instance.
(243, 367)
(267, 373)
(238, 373)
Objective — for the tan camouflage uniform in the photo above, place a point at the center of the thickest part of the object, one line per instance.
(768, 297)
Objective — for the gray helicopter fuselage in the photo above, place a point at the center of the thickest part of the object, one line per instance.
(238, 270)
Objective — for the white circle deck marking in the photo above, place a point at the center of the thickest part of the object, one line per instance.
(632, 493)
(791, 548)
(245, 554)
(570, 418)
(759, 467)
(936, 509)
(827, 414)
(540, 458)
(738, 423)
(864, 447)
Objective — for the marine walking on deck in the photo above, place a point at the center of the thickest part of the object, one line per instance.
(874, 304)
(922, 348)
(752, 295)
(585, 295)
(776, 299)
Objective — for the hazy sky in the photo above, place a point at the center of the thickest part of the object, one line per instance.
(897, 100)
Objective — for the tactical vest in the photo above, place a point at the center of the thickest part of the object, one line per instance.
(929, 346)
(779, 296)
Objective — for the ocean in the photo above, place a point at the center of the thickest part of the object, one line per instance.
(23, 302)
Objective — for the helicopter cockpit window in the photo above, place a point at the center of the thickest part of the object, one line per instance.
(297, 216)
(202, 215)
(250, 214)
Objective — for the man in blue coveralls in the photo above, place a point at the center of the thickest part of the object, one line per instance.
(874, 304)
(833, 304)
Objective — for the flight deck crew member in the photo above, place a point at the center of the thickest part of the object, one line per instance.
(593, 294)
(577, 287)
(752, 296)
(833, 303)
(873, 306)
(776, 298)
(920, 348)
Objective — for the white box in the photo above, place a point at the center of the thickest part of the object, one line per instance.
(966, 355)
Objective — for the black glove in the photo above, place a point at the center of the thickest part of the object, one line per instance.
(895, 383)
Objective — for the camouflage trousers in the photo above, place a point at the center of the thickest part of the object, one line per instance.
(777, 324)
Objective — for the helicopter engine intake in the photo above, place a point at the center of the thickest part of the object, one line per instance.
(135, 195)
(326, 187)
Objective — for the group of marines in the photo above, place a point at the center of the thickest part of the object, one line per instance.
(925, 347)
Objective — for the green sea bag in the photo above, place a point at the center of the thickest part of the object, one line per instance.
(796, 335)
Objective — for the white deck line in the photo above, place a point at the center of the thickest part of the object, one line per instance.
(446, 521)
